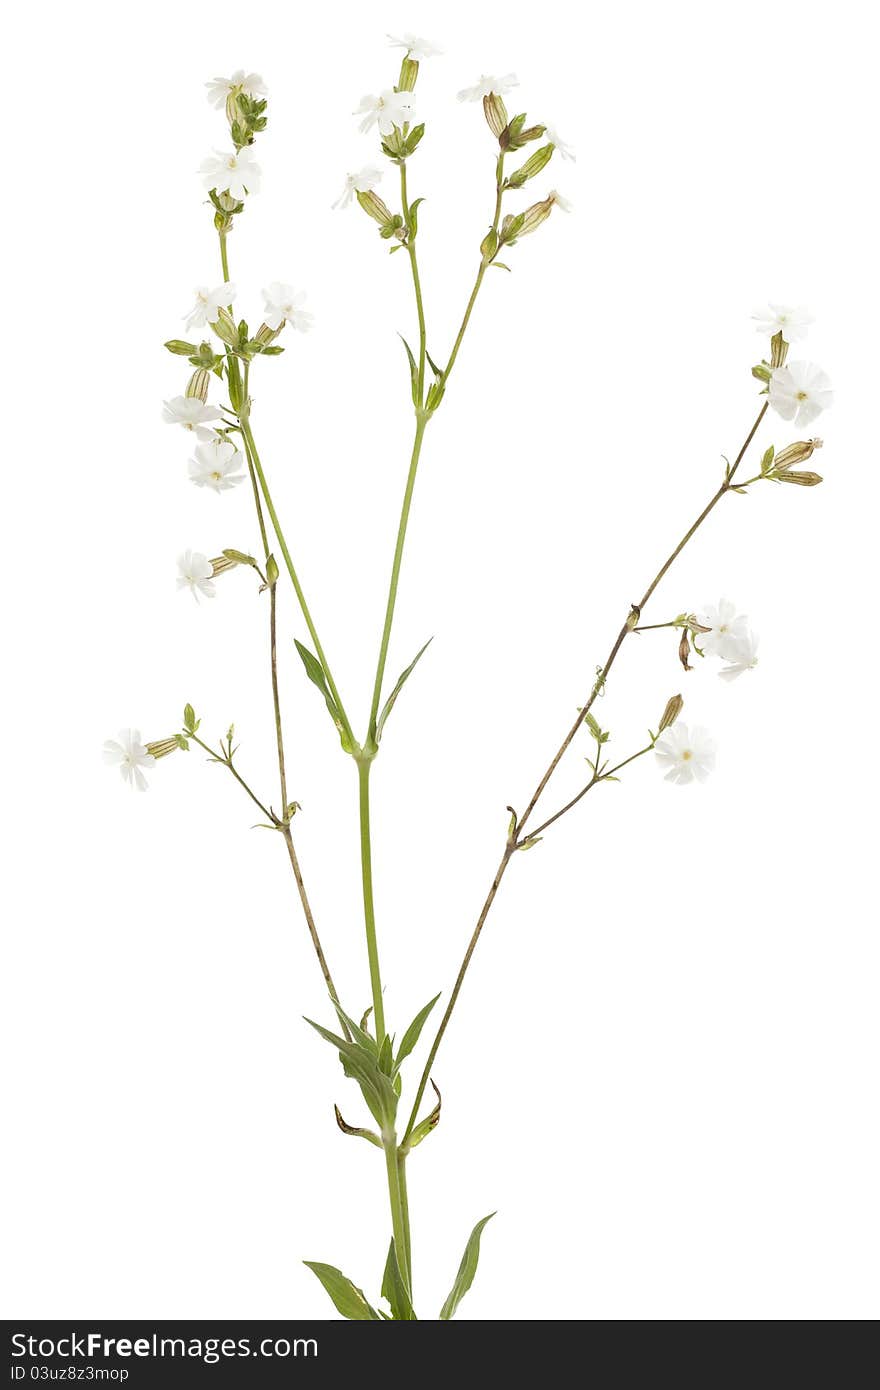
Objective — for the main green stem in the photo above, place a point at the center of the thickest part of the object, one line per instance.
(369, 910)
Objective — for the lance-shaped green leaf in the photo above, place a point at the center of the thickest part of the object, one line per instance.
(413, 1032)
(316, 674)
(358, 1032)
(401, 682)
(413, 371)
(347, 1298)
(466, 1270)
(362, 1066)
(395, 1290)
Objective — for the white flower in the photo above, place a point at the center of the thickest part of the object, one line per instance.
(284, 305)
(487, 85)
(725, 626)
(562, 203)
(387, 110)
(196, 573)
(800, 392)
(779, 318)
(208, 304)
(129, 755)
(191, 413)
(551, 134)
(688, 755)
(220, 88)
(416, 48)
(216, 465)
(363, 181)
(236, 172)
(742, 653)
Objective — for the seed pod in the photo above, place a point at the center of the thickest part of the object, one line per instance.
(795, 453)
(684, 650)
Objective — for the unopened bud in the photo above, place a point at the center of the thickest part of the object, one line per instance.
(795, 453)
(374, 207)
(800, 479)
(778, 350)
(673, 709)
(684, 650)
(271, 571)
(533, 165)
(496, 114)
(197, 388)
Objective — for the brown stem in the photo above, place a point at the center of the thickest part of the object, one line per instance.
(514, 839)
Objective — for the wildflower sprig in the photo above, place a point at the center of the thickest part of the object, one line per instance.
(225, 455)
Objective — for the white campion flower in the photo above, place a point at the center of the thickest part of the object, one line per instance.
(416, 48)
(742, 654)
(196, 573)
(552, 135)
(130, 756)
(236, 173)
(362, 181)
(800, 392)
(216, 465)
(284, 305)
(208, 304)
(725, 625)
(688, 755)
(192, 414)
(387, 110)
(221, 88)
(487, 85)
(558, 201)
(780, 318)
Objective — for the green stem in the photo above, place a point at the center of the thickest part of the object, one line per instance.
(364, 765)
(417, 284)
(399, 1223)
(254, 459)
(421, 422)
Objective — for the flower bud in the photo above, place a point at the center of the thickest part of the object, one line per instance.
(197, 387)
(496, 114)
(801, 479)
(673, 709)
(225, 328)
(795, 453)
(684, 650)
(778, 350)
(533, 165)
(271, 571)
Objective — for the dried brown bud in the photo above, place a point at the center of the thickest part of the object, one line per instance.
(795, 453)
(684, 650)
(778, 350)
(800, 479)
(496, 114)
(673, 709)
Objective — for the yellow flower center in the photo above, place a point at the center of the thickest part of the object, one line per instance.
(686, 755)
(216, 476)
(802, 396)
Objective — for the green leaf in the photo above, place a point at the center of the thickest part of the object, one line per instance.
(411, 1036)
(466, 1270)
(425, 1127)
(414, 216)
(395, 1290)
(362, 1066)
(360, 1034)
(413, 371)
(767, 460)
(347, 1298)
(401, 682)
(315, 673)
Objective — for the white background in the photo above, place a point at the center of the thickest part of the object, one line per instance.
(662, 1073)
